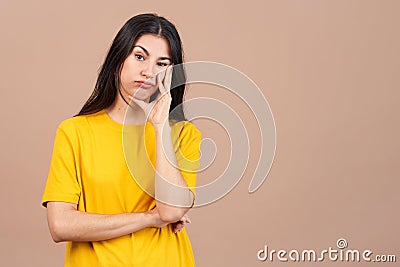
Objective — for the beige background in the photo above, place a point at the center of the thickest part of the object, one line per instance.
(329, 69)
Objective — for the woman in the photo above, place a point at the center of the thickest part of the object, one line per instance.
(110, 208)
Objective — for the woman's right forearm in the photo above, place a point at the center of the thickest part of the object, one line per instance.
(68, 224)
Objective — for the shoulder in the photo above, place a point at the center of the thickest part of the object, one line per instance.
(185, 130)
(185, 127)
(75, 128)
(77, 123)
(72, 126)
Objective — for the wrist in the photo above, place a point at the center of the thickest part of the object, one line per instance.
(160, 128)
(150, 219)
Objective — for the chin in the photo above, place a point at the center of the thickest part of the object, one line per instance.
(143, 94)
(143, 98)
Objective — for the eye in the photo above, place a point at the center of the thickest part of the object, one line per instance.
(139, 57)
(162, 64)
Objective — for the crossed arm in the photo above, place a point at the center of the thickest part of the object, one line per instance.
(66, 223)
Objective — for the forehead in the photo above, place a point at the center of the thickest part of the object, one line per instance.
(156, 45)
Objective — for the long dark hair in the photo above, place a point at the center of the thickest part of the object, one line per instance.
(108, 81)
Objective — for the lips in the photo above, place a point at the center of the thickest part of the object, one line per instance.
(145, 84)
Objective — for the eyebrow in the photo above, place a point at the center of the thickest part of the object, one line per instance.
(147, 53)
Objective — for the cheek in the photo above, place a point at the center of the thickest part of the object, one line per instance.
(124, 76)
(128, 71)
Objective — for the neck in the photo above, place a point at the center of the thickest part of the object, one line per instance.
(118, 112)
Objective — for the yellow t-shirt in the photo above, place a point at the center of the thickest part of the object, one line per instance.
(92, 168)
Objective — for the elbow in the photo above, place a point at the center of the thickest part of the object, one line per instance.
(59, 220)
(171, 215)
(57, 231)
(56, 238)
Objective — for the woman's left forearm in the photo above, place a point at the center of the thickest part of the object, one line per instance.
(173, 196)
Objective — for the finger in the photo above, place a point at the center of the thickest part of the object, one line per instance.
(178, 227)
(159, 96)
(160, 83)
(166, 96)
(168, 78)
(186, 219)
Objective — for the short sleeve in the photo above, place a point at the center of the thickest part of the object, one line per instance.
(188, 156)
(62, 182)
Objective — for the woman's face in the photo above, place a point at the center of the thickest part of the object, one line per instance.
(150, 55)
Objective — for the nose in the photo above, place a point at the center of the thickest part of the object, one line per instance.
(147, 71)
